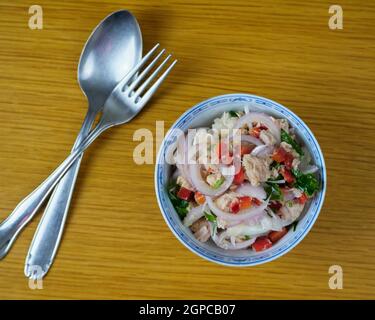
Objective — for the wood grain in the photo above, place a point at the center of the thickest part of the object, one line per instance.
(116, 243)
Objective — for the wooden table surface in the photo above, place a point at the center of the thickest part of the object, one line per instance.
(116, 243)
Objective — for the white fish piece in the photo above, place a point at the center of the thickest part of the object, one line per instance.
(257, 169)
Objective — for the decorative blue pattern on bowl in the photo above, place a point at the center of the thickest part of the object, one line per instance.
(210, 109)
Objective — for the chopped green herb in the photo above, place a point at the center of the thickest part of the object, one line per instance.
(273, 191)
(306, 182)
(233, 114)
(290, 203)
(181, 206)
(285, 137)
(275, 165)
(210, 217)
(246, 237)
(278, 178)
(294, 225)
(182, 212)
(218, 183)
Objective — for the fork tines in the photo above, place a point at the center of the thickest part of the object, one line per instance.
(134, 88)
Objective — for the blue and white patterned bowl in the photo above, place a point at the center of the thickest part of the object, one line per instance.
(202, 115)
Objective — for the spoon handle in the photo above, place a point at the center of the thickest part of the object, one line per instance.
(26, 209)
(47, 237)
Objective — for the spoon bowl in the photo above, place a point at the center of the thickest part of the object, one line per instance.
(113, 49)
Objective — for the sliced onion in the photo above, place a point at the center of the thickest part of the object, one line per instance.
(288, 195)
(305, 160)
(227, 170)
(251, 117)
(242, 230)
(262, 151)
(276, 223)
(193, 215)
(310, 169)
(246, 189)
(277, 181)
(250, 139)
(180, 156)
(242, 215)
(250, 221)
(203, 187)
(181, 148)
(190, 147)
(246, 109)
(175, 174)
(226, 245)
(182, 161)
(185, 174)
(170, 153)
(261, 227)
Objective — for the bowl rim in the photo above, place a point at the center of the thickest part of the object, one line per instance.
(317, 209)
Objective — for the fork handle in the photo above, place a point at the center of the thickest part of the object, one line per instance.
(47, 237)
(26, 209)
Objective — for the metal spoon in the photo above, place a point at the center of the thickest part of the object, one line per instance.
(113, 49)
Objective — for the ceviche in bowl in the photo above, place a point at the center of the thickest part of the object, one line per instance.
(240, 179)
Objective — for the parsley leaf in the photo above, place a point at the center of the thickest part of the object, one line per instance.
(306, 182)
(210, 217)
(278, 178)
(233, 114)
(273, 191)
(181, 206)
(275, 165)
(218, 183)
(285, 137)
(294, 225)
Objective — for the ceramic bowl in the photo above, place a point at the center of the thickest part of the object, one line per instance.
(202, 115)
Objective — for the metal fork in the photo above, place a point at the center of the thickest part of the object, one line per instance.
(124, 103)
